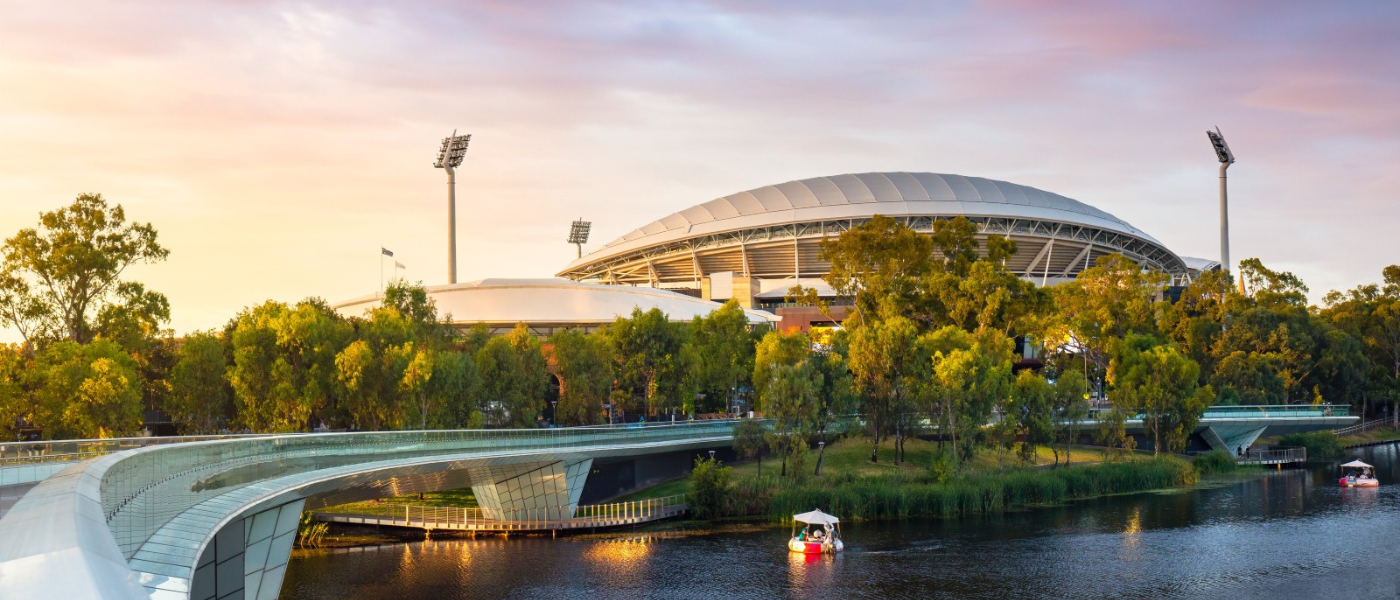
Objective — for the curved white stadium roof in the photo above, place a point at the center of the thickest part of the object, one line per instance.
(551, 301)
(863, 195)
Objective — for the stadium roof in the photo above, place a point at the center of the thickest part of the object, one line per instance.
(863, 195)
(551, 302)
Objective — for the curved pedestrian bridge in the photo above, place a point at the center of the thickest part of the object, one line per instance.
(216, 519)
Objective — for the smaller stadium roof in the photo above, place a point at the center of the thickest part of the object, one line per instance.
(552, 301)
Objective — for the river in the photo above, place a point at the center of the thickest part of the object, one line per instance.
(1292, 534)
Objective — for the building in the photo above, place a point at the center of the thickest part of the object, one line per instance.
(752, 246)
(545, 305)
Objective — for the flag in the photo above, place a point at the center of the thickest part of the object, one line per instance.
(399, 265)
(385, 251)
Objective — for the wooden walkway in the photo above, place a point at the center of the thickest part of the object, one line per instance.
(527, 520)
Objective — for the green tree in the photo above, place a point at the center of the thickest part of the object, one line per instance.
(59, 277)
(1107, 302)
(1030, 409)
(15, 368)
(283, 371)
(513, 376)
(1070, 407)
(710, 488)
(887, 366)
(972, 374)
(88, 390)
(199, 396)
(749, 441)
(584, 364)
(792, 396)
(647, 348)
(775, 350)
(1160, 384)
(721, 350)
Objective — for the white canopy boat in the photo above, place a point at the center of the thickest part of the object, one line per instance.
(821, 533)
(1362, 475)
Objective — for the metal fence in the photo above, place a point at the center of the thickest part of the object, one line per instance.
(1278, 456)
(1362, 427)
(28, 453)
(530, 519)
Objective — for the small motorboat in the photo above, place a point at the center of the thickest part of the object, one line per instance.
(1361, 475)
(821, 533)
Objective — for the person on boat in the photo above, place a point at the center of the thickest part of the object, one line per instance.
(802, 535)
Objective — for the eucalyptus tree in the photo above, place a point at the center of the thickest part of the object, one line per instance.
(88, 390)
(58, 278)
(200, 398)
(648, 350)
(283, 369)
(584, 364)
(513, 378)
(721, 353)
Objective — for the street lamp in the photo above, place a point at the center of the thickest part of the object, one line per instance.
(1227, 158)
(554, 413)
(454, 149)
(578, 234)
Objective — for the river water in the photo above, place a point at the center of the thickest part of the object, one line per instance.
(1293, 534)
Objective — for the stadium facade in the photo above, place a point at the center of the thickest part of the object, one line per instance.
(754, 245)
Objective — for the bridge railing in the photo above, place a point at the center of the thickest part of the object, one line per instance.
(144, 489)
(37, 452)
(1362, 427)
(1273, 457)
(527, 518)
(1276, 411)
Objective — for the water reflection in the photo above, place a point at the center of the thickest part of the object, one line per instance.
(1293, 534)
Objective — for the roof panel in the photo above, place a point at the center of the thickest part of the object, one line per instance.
(797, 195)
(854, 189)
(963, 190)
(655, 227)
(881, 187)
(1012, 192)
(744, 203)
(987, 190)
(937, 187)
(907, 187)
(826, 191)
(724, 208)
(698, 214)
(774, 199)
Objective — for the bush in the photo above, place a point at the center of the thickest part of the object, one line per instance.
(710, 489)
(1216, 461)
(900, 495)
(1320, 444)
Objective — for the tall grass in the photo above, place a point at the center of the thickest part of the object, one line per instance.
(904, 495)
(1320, 444)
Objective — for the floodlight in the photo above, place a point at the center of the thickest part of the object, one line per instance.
(1222, 150)
(454, 148)
(450, 155)
(578, 234)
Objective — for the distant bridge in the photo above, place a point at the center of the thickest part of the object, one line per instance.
(216, 519)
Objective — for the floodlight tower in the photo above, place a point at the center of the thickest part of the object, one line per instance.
(454, 149)
(578, 234)
(1227, 158)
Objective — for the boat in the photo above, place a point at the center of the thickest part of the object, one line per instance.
(1363, 478)
(821, 533)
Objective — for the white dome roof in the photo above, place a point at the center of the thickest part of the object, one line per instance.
(863, 195)
(551, 301)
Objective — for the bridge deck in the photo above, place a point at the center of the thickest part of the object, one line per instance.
(460, 519)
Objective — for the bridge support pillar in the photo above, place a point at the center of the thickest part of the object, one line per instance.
(1231, 439)
(548, 492)
(248, 557)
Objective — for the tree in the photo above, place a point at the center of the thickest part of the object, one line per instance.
(513, 376)
(15, 367)
(776, 349)
(879, 265)
(792, 400)
(721, 350)
(283, 371)
(199, 397)
(834, 398)
(887, 365)
(1160, 384)
(647, 348)
(88, 390)
(972, 373)
(584, 364)
(56, 278)
(1106, 303)
(749, 441)
(1069, 408)
(1030, 409)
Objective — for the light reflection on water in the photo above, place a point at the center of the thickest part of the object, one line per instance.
(1295, 534)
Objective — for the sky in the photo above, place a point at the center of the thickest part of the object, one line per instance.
(276, 146)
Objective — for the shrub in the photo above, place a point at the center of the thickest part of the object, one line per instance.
(710, 488)
(1320, 444)
(1217, 461)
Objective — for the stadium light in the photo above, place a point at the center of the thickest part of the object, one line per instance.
(1227, 158)
(454, 149)
(578, 234)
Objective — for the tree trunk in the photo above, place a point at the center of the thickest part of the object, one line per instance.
(821, 452)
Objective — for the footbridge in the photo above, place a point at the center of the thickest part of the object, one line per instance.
(216, 519)
(1230, 428)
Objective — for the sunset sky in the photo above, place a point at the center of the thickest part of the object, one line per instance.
(277, 145)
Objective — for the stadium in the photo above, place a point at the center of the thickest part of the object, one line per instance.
(754, 245)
